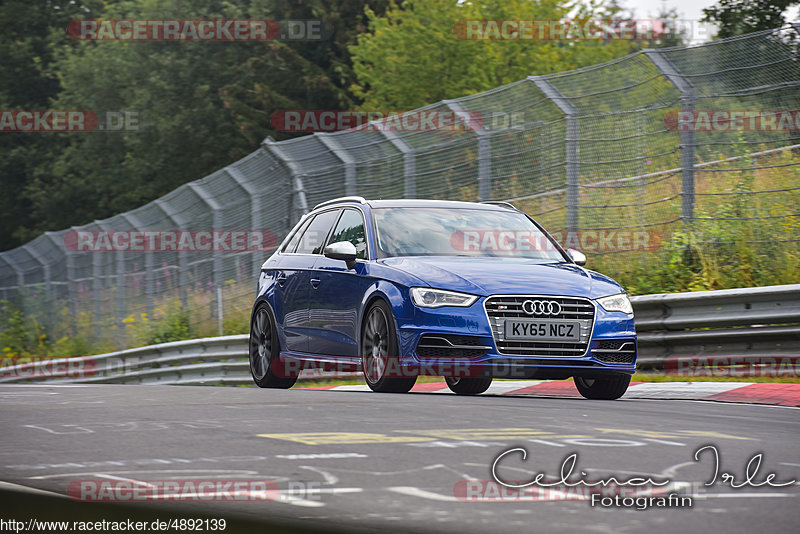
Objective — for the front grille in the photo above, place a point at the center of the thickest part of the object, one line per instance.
(500, 308)
(450, 346)
(619, 351)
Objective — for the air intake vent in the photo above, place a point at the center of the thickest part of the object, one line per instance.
(450, 346)
(619, 351)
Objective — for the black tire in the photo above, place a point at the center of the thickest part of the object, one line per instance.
(265, 366)
(606, 388)
(468, 386)
(379, 352)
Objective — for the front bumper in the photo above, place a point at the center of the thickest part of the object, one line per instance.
(610, 348)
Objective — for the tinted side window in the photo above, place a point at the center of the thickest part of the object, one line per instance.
(313, 239)
(351, 228)
(292, 244)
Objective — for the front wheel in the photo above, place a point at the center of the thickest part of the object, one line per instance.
(265, 363)
(379, 358)
(468, 386)
(609, 388)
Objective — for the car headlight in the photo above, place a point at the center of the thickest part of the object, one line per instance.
(435, 298)
(619, 302)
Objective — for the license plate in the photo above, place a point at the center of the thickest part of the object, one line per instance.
(542, 330)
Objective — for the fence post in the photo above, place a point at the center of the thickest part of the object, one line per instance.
(255, 209)
(48, 322)
(409, 162)
(182, 224)
(6, 259)
(72, 290)
(299, 202)
(216, 210)
(571, 139)
(686, 89)
(150, 289)
(344, 156)
(484, 152)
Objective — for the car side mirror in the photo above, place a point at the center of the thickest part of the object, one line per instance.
(342, 250)
(577, 256)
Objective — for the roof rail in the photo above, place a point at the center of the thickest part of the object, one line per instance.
(501, 203)
(360, 200)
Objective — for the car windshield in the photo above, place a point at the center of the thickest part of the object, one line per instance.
(412, 231)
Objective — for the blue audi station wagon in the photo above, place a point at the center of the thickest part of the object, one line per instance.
(468, 291)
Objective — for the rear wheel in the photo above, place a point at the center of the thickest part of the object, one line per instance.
(608, 388)
(379, 351)
(468, 386)
(265, 365)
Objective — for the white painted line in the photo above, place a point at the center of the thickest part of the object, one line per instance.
(285, 498)
(123, 479)
(665, 442)
(44, 385)
(332, 491)
(507, 387)
(27, 489)
(416, 492)
(356, 387)
(680, 390)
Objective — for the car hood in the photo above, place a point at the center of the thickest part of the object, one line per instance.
(491, 276)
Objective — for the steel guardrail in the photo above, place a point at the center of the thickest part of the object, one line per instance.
(739, 326)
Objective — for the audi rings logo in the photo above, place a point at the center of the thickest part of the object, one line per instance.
(541, 307)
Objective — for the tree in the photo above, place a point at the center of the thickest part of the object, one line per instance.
(199, 105)
(412, 56)
(736, 17)
(28, 82)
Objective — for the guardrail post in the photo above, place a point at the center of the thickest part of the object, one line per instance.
(484, 152)
(686, 89)
(409, 162)
(333, 145)
(299, 203)
(216, 210)
(571, 139)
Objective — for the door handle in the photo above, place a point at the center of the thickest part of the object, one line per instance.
(281, 278)
(315, 283)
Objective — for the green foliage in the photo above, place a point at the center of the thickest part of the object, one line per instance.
(173, 325)
(737, 17)
(412, 56)
(18, 335)
(739, 239)
(199, 105)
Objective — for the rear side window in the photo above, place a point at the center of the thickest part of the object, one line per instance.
(313, 239)
(292, 244)
(351, 228)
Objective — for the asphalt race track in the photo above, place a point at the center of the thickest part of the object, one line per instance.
(385, 462)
